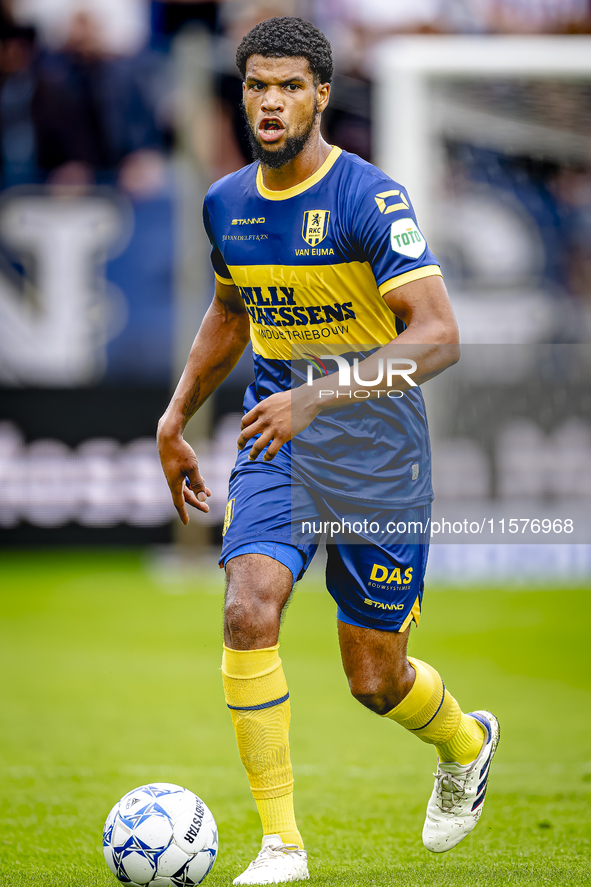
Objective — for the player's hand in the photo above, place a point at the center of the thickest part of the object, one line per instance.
(277, 419)
(180, 467)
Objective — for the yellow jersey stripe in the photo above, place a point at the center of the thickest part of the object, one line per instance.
(303, 186)
(417, 274)
(291, 305)
(226, 280)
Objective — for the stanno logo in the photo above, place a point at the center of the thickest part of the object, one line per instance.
(315, 227)
(379, 605)
(260, 221)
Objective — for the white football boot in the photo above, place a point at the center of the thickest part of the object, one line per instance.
(276, 863)
(455, 806)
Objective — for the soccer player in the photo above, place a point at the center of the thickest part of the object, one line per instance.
(318, 256)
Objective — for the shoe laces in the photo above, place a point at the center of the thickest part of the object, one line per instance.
(274, 852)
(450, 789)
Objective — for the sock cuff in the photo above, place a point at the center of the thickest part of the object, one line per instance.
(248, 664)
(254, 679)
(427, 687)
(429, 711)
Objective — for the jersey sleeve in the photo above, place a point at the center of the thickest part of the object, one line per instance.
(387, 236)
(220, 269)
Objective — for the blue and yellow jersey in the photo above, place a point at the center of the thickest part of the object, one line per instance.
(312, 264)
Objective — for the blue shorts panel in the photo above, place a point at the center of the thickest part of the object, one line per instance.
(288, 555)
(264, 505)
(377, 585)
(376, 579)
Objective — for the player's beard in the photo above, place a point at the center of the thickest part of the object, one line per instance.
(288, 151)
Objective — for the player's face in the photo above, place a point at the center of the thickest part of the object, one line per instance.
(282, 105)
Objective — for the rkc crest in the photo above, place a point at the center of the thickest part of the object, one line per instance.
(315, 227)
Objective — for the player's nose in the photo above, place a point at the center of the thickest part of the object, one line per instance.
(272, 100)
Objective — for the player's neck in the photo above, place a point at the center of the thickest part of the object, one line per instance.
(310, 159)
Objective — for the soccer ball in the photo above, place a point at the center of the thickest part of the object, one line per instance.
(160, 834)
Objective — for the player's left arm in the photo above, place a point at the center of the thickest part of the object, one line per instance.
(430, 340)
(425, 307)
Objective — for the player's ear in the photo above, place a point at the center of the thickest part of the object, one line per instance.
(322, 96)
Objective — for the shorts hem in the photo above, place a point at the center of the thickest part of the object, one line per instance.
(382, 626)
(264, 537)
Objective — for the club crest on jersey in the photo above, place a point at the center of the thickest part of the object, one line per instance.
(228, 516)
(315, 227)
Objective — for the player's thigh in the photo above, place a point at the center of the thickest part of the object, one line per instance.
(257, 589)
(262, 555)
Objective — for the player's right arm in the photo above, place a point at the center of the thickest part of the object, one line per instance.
(218, 346)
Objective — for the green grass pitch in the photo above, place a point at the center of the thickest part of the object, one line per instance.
(110, 679)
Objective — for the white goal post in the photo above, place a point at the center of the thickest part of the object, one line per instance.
(484, 132)
(405, 125)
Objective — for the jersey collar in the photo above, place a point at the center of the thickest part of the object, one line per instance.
(303, 186)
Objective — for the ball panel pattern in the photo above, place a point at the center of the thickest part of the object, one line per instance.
(160, 835)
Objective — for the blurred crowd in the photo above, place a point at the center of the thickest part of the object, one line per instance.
(85, 86)
(87, 97)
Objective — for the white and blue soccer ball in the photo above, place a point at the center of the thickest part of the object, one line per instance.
(160, 834)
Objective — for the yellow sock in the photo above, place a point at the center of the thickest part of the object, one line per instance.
(257, 696)
(431, 713)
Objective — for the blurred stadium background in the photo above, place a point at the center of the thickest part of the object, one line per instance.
(115, 117)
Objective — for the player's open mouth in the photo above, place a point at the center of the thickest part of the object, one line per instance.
(271, 129)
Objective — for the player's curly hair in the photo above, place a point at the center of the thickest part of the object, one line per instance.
(288, 36)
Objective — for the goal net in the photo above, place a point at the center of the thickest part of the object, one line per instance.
(492, 138)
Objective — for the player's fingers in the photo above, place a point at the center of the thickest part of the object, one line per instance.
(273, 449)
(250, 417)
(178, 500)
(192, 499)
(196, 482)
(183, 514)
(247, 433)
(200, 495)
(259, 445)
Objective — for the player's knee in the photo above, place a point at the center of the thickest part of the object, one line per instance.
(251, 621)
(378, 702)
(248, 618)
(256, 593)
(381, 694)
